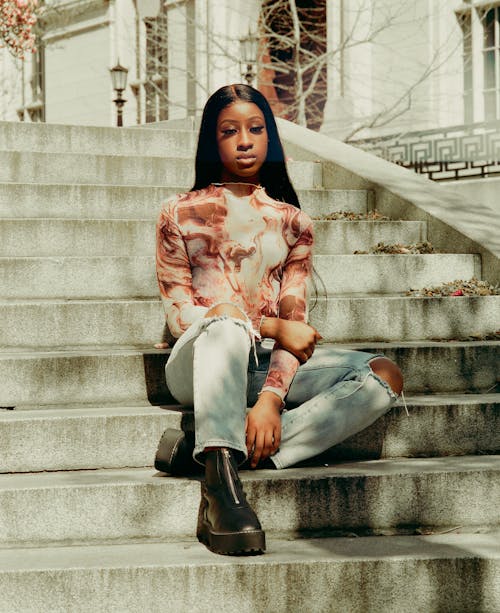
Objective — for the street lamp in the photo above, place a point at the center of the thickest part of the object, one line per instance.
(248, 52)
(119, 81)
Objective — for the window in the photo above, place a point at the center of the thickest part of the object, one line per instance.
(466, 24)
(36, 109)
(491, 63)
(156, 85)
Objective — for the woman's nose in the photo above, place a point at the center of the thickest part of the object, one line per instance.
(245, 140)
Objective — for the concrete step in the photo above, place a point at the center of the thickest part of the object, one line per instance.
(368, 497)
(75, 438)
(137, 201)
(54, 138)
(36, 237)
(402, 574)
(345, 237)
(390, 274)
(135, 276)
(52, 237)
(390, 318)
(131, 374)
(52, 323)
(81, 437)
(28, 167)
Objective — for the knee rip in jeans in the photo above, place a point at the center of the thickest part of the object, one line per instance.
(389, 389)
(246, 324)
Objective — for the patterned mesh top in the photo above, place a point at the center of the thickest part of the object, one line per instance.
(249, 250)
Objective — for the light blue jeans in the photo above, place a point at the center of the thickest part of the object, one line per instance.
(213, 369)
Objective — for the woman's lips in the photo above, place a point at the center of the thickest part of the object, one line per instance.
(246, 160)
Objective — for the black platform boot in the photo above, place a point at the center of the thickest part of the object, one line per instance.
(226, 522)
(174, 455)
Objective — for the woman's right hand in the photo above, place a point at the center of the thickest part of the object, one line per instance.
(296, 337)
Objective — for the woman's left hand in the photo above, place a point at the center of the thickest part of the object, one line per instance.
(263, 428)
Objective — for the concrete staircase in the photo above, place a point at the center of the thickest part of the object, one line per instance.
(402, 517)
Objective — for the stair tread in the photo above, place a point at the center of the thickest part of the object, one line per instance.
(69, 411)
(190, 553)
(107, 477)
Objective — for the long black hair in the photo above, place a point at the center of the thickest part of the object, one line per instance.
(273, 174)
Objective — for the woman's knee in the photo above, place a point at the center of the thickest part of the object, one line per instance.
(389, 372)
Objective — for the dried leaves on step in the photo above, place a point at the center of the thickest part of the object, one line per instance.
(473, 287)
(350, 216)
(399, 248)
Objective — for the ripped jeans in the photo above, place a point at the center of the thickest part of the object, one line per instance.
(334, 394)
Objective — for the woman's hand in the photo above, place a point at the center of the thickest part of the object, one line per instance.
(296, 337)
(263, 428)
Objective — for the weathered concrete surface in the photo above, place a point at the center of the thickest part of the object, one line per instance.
(35, 167)
(18, 200)
(135, 276)
(76, 437)
(445, 573)
(389, 318)
(128, 374)
(436, 425)
(84, 438)
(53, 323)
(371, 496)
(90, 237)
(54, 138)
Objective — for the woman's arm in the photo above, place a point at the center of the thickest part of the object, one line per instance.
(173, 271)
(295, 341)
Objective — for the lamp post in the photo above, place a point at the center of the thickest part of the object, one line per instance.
(248, 52)
(119, 81)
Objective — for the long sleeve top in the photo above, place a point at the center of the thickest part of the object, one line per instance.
(252, 251)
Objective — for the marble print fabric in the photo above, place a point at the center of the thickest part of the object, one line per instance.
(251, 251)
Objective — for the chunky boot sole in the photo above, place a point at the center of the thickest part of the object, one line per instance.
(229, 543)
(174, 454)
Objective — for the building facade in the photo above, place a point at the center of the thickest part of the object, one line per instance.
(387, 66)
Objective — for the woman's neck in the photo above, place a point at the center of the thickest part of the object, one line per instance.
(239, 188)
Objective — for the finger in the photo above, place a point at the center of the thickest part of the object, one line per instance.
(317, 335)
(257, 452)
(268, 445)
(250, 440)
(161, 345)
(277, 438)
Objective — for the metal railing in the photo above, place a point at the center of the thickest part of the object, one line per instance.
(445, 154)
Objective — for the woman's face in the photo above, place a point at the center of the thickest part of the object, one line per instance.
(242, 141)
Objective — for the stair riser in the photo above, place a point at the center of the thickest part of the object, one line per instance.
(39, 238)
(122, 170)
(412, 319)
(141, 322)
(83, 201)
(345, 237)
(97, 140)
(428, 431)
(167, 508)
(135, 277)
(357, 584)
(31, 443)
(123, 376)
(385, 274)
(133, 202)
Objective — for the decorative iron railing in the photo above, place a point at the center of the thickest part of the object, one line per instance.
(446, 154)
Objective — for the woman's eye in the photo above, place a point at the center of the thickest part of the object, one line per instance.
(228, 131)
(257, 129)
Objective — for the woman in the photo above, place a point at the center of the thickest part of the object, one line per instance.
(234, 257)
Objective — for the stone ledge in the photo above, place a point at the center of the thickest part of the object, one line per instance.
(451, 572)
(453, 224)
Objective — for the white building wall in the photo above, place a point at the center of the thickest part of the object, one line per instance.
(11, 86)
(408, 76)
(366, 81)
